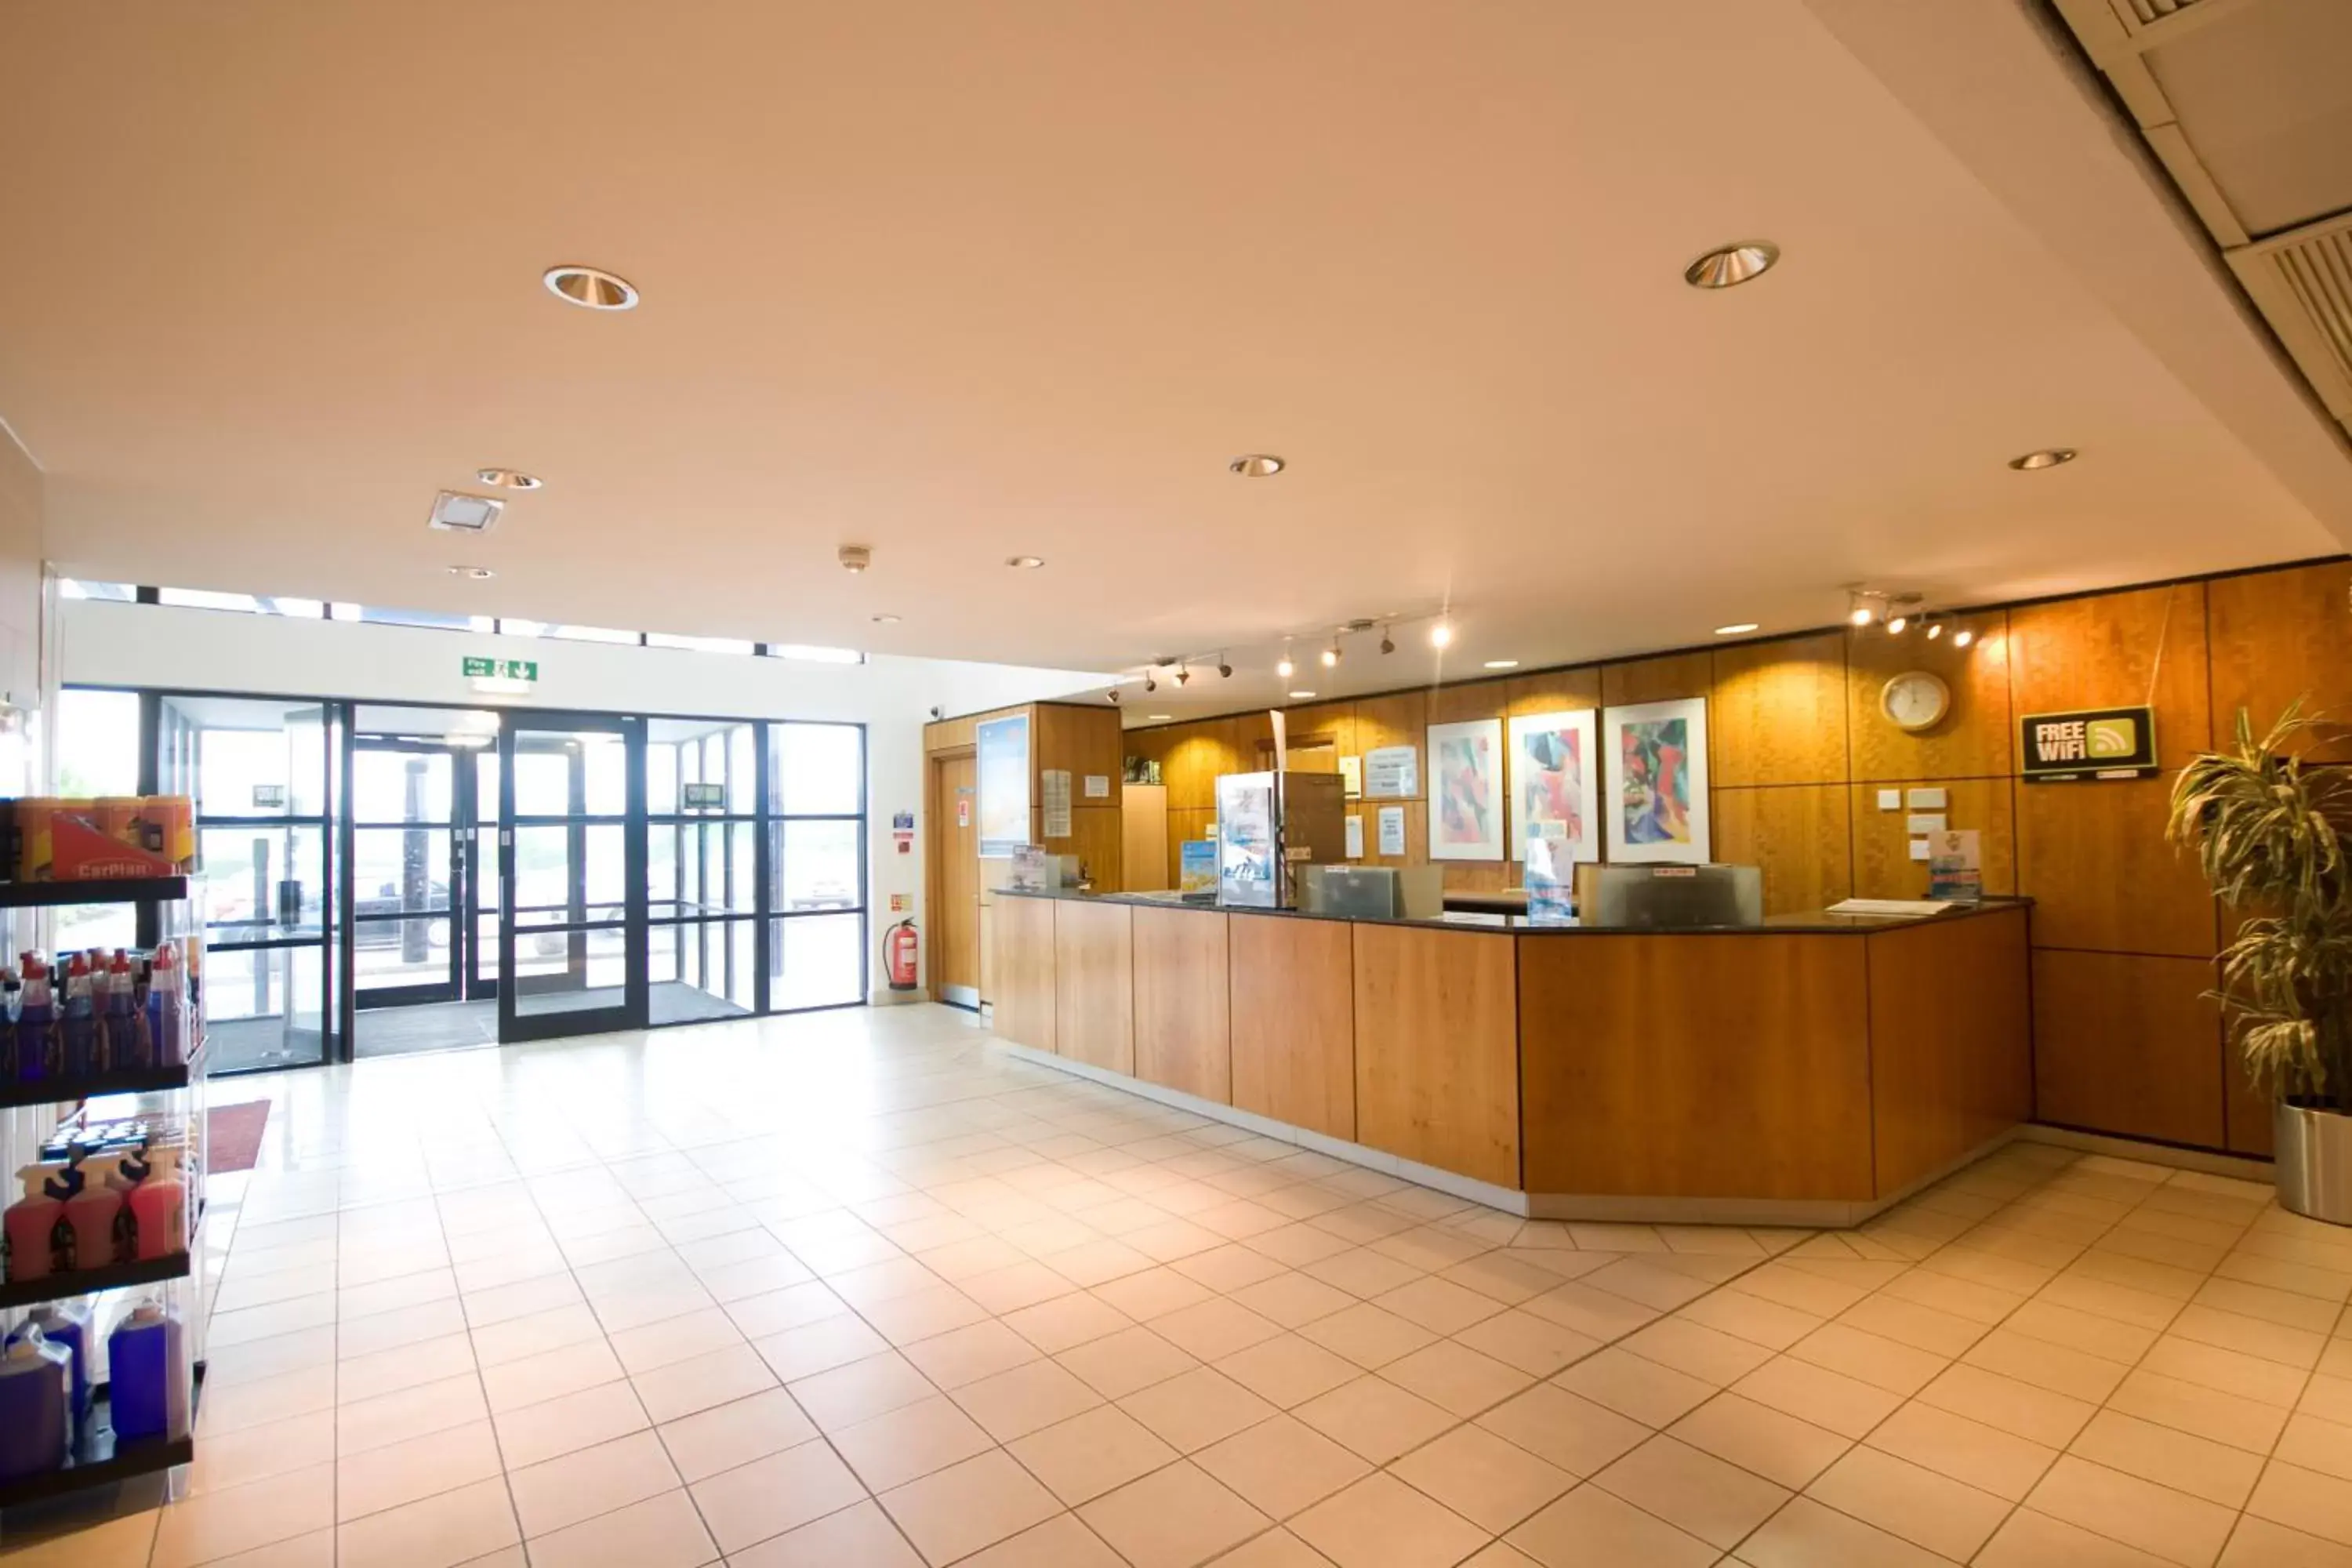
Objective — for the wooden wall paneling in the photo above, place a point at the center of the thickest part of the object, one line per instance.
(1697, 1067)
(1191, 823)
(1972, 740)
(2246, 1115)
(1399, 719)
(1553, 692)
(1293, 1020)
(2275, 637)
(1182, 990)
(2093, 855)
(1022, 933)
(1083, 740)
(1322, 723)
(1437, 1076)
(1951, 1046)
(1465, 701)
(1196, 757)
(1799, 833)
(1883, 866)
(2112, 650)
(1144, 863)
(1098, 837)
(1094, 980)
(1661, 679)
(2125, 1043)
(1778, 713)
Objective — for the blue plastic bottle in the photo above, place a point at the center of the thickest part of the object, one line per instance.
(65, 1324)
(81, 1015)
(146, 1375)
(36, 1390)
(35, 1018)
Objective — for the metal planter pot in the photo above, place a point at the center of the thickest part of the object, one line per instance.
(2313, 1149)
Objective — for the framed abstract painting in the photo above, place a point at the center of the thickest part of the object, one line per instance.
(1466, 791)
(1656, 763)
(1555, 786)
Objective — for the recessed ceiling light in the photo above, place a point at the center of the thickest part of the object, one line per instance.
(458, 512)
(885, 620)
(1300, 696)
(1734, 629)
(479, 574)
(508, 478)
(1256, 465)
(591, 288)
(1025, 563)
(1156, 718)
(2048, 458)
(1502, 664)
(1728, 266)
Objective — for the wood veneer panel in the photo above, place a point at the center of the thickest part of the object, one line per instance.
(1098, 837)
(1437, 1049)
(1459, 704)
(1800, 835)
(1973, 739)
(1697, 1067)
(2278, 635)
(1021, 971)
(952, 883)
(1951, 1047)
(1883, 866)
(2118, 650)
(1094, 980)
(2246, 1115)
(949, 734)
(1396, 719)
(1191, 757)
(1293, 1016)
(1778, 713)
(1182, 1038)
(2093, 855)
(1553, 692)
(1661, 679)
(2127, 1044)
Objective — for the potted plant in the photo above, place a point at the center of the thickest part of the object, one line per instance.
(2269, 833)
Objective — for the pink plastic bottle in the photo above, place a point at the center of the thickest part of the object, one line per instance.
(32, 1225)
(92, 1211)
(159, 1205)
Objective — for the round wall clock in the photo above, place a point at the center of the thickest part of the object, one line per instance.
(1915, 701)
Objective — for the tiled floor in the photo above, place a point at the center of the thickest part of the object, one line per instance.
(852, 1289)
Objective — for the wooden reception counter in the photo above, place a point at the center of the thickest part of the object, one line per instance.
(1808, 1071)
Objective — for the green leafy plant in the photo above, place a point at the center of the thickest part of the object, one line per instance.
(2268, 831)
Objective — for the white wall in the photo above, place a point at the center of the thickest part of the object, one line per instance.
(111, 644)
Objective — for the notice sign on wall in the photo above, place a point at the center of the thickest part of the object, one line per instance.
(2089, 743)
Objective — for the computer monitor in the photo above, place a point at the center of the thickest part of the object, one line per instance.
(1676, 898)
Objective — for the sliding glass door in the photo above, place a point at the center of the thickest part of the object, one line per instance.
(572, 850)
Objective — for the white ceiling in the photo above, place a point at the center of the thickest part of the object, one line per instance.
(963, 283)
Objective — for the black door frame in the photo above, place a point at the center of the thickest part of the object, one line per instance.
(515, 1024)
(463, 892)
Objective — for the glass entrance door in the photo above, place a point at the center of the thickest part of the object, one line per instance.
(411, 801)
(572, 947)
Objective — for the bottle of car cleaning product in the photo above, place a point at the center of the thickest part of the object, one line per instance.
(91, 1211)
(34, 1019)
(35, 1226)
(12, 1005)
(146, 1375)
(158, 1206)
(80, 1019)
(167, 1005)
(36, 1400)
(65, 1323)
(121, 1034)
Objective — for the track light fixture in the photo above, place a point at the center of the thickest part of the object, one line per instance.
(1225, 668)
(1111, 696)
(1388, 639)
(1331, 655)
(1285, 668)
(1149, 683)
(1935, 627)
(1440, 634)
(1897, 624)
(1859, 610)
(1962, 638)
(1182, 675)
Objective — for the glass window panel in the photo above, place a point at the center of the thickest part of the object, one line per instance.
(702, 970)
(817, 769)
(742, 770)
(661, 777)
(381, 616)
(401, 787)
(565, 631)
(486, 946)
(98, 742)
(400, 871)
(262, 1007)
(816, 653)
(700, 645)
(814, 864)
(401, 952)
(662, 839)
(815, 961)
(83, 588)
(486, 788)
(606, 758)
(254, 878)
(550, 889)
(542, 779)
(96, 925)
(569, 971)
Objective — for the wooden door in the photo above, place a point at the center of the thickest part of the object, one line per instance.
(955, 852)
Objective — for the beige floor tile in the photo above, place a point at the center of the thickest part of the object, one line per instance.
(819, 1346)
(1214, 1329)
(772, 1495)
(2017, 1408)
(1985, 1304)
(535, 1334)
(1062, 1542)
(1905, 1323)
(861, 1390)
(1026, 1399)
(894, 1448)
(1368, 1335)
(1590, 1526)
(2305, 1499)
(1508, 1280)
(256, 1452)
(2271, 1303)
(735, 1433)
(1779, 1448)
(1066, 1322)
(1805, 1535)
(1928, 1509)
(1375, 1417)
(654, 1346)
(1194, 1409)
(793, 1307)
(2181, 1460)
(1454, 1376)
(1281, 1466)
(1276, 1547)
(662, 1532)
(410, 1413)
(1602, 1315)
(2318, 1445)
(2243, 1423)
(1636, 1386)
(1535, 1345)
(1438, 1305)
(2013, 1353)
(438, 1533)
(423, 1467)
(1292, 1298)
(556, 1426)
(1492, 1482)
(2259, 1543)
(550, 1376)
(701, 1382)
(1693, 1349)
(266, 1401)
(1380, 1522)
(1119, 1364)
(590, 1481)
(920, 1314)
(1735, 1312)
(1289, 1370)
(967, 1354)
(2227, 1370)
(2172, 1525)
(1153, 1293)
(1573, 1434)
(240, 1518)
(2031, 1539)
(1090, 1453)
(1844, 1404)
(1173, 1518)
(859, 1536)
(1693, 1490)
(2293, 1347)
(1985, 1458)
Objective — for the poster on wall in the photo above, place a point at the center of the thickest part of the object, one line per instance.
(1655, 757)
(1555, 786)
(1002, 745)
(1466, 791)
(1390, 773)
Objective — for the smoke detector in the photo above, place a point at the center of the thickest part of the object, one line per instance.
(854, 557)
(458, 512)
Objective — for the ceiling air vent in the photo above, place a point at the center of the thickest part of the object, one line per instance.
(2303, 281)
(2149, 11)
(462, 513)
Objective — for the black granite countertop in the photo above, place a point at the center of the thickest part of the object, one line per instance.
(1802, 922)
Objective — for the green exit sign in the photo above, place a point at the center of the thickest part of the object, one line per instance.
(503, 668)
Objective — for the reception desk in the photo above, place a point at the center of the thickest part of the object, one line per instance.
(1810, 1071)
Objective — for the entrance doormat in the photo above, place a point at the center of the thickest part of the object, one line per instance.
(233, 1135)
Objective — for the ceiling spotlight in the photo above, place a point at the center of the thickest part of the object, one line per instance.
(1935, 628)
(1962, 638)
(479, 574)
(591, 288)
(1441, 635)
(1225, 668)
(1111, 696)
(1502, 664)
(508, 478)
(1388, 640)
(1182, 675)
(1737, 629)
(1285, 668)
(2048, 458)
(1025, 563)
(1728, 266)
(1256, 465)
(885, 620)
(853, 558)
(1330, 657)
(1895, 624)
(1860, 611)
(1149, 683)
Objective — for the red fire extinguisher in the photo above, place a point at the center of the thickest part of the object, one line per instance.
(898, 953)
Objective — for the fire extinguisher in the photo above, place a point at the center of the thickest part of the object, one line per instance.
(899, 953)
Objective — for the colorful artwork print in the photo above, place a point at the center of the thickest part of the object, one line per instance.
(1555, 786)
(1658, 782)
(1466, 798)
